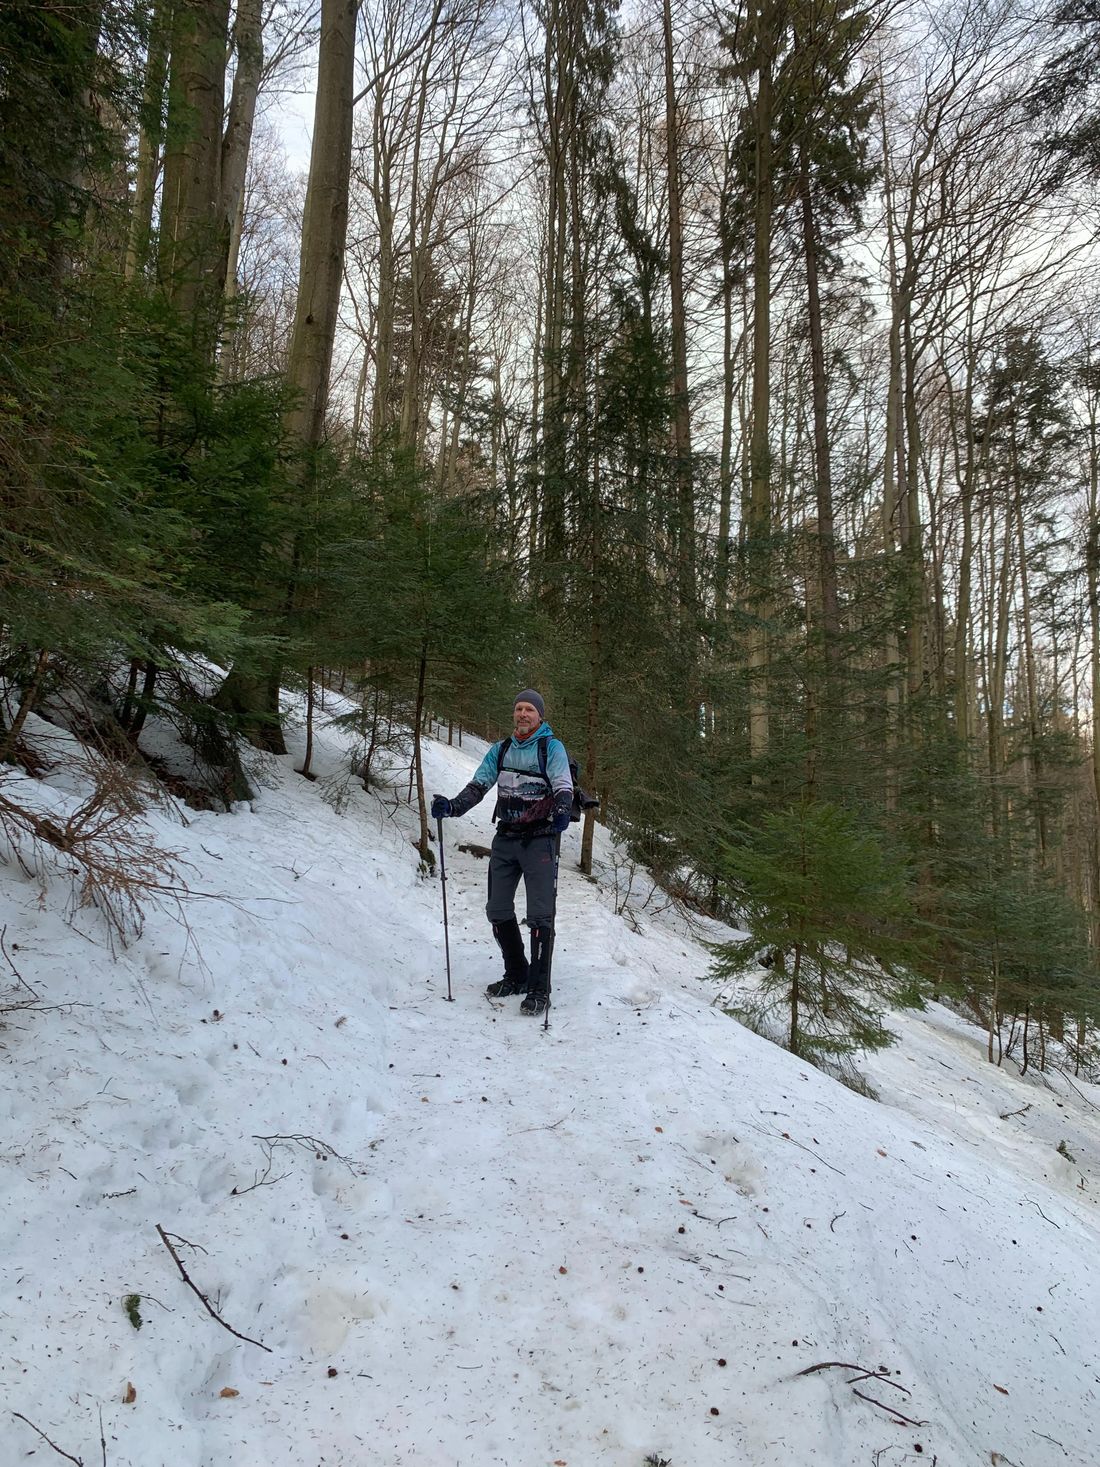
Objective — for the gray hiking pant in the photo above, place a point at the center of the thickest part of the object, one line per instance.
(510, 859)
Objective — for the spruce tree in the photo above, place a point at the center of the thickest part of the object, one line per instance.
(827, 904)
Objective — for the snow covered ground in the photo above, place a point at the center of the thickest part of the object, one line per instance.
(456, 1240)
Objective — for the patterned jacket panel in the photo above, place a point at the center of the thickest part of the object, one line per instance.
(525, 806)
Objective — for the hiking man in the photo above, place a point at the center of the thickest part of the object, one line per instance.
(532, 811)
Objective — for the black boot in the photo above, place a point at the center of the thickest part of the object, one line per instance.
(538, 985)
(515, 978)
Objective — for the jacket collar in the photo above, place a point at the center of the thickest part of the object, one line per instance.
(542, 730)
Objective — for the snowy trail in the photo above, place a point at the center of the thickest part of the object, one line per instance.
(542, 1244)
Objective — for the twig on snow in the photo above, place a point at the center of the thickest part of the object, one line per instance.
(885, 1379)
(890, 1410)
(834, 1365)
(809, 1152)
(205, 1301)
(1054, 1442)
(67, 1455)
(321, 1149)
(862, 1373)
(7, 958)
(1079, 1093)
(551, 1127)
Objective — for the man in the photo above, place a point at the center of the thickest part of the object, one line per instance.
(531, 813)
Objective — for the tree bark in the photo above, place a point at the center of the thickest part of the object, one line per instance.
(681, 406)
(26, 706)
(193, 237)
(823, 478)
(150, 137)
(758, 544)
(237, 142)
(324, 226)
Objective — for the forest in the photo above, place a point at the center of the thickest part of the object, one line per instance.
(728, 370)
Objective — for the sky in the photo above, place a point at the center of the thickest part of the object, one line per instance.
(446, 1236)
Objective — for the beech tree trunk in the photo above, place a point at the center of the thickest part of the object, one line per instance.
(194, 239)
(249, 46)
(324, 225)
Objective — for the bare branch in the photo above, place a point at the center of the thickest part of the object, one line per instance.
(164, 1237)
(67, 1455)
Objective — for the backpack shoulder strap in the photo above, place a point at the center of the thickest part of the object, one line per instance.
(542, 747)
(502, 749)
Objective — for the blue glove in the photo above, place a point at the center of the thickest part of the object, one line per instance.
(561, 821)
(441, 807)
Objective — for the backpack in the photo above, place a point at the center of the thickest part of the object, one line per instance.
(582, 800)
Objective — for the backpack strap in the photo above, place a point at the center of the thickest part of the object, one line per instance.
(542, 747)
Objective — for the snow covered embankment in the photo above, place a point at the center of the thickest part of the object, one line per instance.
(458, 1240)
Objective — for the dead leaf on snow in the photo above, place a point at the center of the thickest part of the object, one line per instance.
(227, 1393)
(129, 1395)
(1002, 1390)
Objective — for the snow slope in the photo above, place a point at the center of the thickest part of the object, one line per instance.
(632, 1236)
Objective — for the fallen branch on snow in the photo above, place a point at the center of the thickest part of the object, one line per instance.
(891, 1410)
(164, 1238)
(862, 1373)
(67, 1455)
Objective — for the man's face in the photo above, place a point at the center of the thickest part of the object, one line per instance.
(525, 719)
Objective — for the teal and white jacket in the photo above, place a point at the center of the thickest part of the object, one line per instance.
(526, 802)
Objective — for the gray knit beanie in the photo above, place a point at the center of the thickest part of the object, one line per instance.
(528, 695)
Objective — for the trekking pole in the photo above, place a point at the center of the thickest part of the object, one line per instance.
(553, 924)
(443, 880)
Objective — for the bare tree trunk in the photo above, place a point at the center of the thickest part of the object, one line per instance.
(823, 478)
(893, 454)
(193, 237)
(681, 406)
(760, 505)
(307, 761)
(912, 533)
(236, 144)
(963, 726)
(1092, 568)
(794, 1035)
(1001, 589)
(141, 713)
(1034, 756)
(149, 142)
(324, 226)
(249, 45)
(26, 705)
(725, 466)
